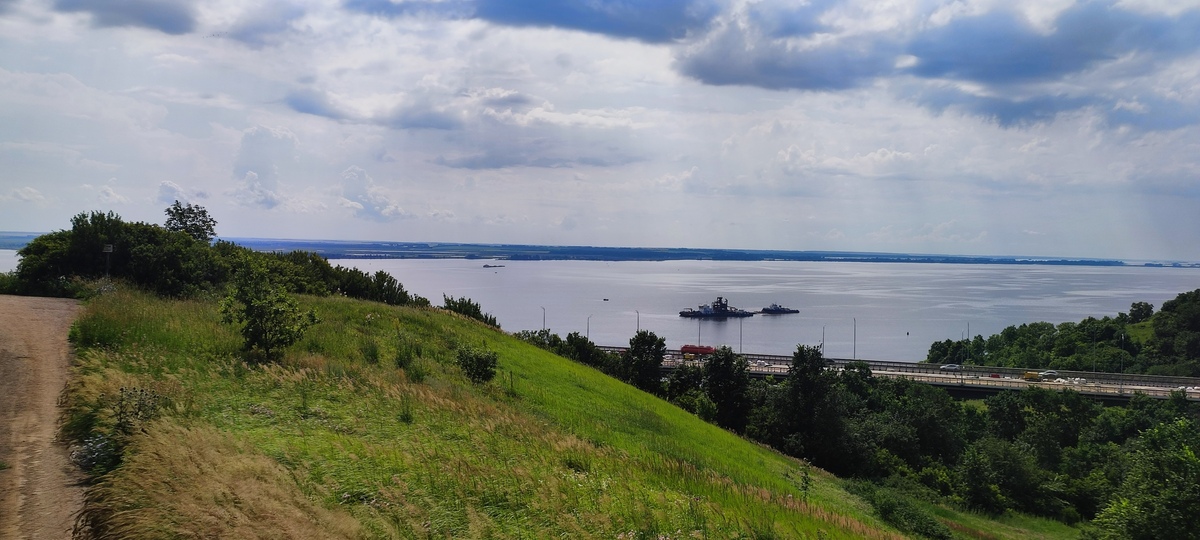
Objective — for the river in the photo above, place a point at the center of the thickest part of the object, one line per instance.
(877, 311)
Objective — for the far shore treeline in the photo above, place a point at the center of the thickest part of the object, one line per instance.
(1125, 472)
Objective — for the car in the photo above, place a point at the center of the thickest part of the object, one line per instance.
(951, 367)
(1049, 374)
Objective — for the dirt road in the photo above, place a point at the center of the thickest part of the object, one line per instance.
(40, 489)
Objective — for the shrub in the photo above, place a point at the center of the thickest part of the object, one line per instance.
(370, 350)
(270, 318)
(477, 364)
(465, 306)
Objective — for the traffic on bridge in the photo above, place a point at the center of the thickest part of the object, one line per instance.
(968, 380)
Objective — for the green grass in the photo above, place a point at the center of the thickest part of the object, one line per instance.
(1141, 332)
(1010, 525)
(367, 429)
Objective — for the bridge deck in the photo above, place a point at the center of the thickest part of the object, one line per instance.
(979, 380)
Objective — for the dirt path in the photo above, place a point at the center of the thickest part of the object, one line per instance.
(40, 489)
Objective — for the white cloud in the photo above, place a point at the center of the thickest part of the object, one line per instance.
(25, 194)
(109, 195)
(368, 200)
(842, 124)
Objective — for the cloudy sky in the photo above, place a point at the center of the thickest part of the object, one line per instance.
(992, 127)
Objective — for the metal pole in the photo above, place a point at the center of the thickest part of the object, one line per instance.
(740, 320)
(543, 317)
(822, 340)
(639, 320)
(588, 335)
(854, 356)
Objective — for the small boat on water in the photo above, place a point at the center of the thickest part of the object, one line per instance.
(776, 309)
(719, 309)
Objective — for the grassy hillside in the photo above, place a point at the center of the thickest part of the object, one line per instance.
(367, 430)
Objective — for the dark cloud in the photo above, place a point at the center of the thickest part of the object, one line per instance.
(167, 16)
(450, 9)
(779, 21)
(1001, 47)
(738, 56)
(314, 103)
(502, 159)
(263, 26)
(1006, 112)
(423, 117)
(654, 22)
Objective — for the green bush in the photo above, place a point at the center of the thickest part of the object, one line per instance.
(477, 364)
(271, 319)
(465, 306)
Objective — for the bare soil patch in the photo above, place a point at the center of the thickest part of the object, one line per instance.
(40, 489)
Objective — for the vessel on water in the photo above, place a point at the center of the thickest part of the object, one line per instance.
(717, 310)
(776, 309)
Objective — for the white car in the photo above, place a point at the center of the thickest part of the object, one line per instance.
(951, 367)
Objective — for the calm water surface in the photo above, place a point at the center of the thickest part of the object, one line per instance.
(878, 311)
(896, 310)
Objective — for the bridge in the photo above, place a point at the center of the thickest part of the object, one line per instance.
(975, 381)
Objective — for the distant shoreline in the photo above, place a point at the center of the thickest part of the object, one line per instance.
(336, 249)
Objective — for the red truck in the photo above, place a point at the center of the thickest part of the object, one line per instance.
(697, 349)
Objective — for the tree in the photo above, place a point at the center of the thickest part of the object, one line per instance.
(271, 319)
(643, 361)
(191, 219)
(1161, 493)
(1140, 311)
(726, 381)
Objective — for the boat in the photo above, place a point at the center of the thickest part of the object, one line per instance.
(776, 309)
(716, 310)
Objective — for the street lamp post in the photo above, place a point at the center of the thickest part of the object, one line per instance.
(543, 317)
(588, 335)
(854, 354)
(740, 319)
(639, 320)
(822, 341)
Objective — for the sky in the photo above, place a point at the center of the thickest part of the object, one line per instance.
(974, 127)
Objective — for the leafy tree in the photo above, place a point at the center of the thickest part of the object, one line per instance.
(726, 381)
(1140, 311)
(270, 319)
(479, 365)
(1160, 496)
(642, 361)
(193, 220)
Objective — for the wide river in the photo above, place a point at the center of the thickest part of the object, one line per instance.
(878, 311)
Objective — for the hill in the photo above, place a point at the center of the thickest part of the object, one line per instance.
(336, 441)
(367, 428)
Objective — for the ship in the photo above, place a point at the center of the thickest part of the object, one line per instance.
(716, 310)
(776, 309)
